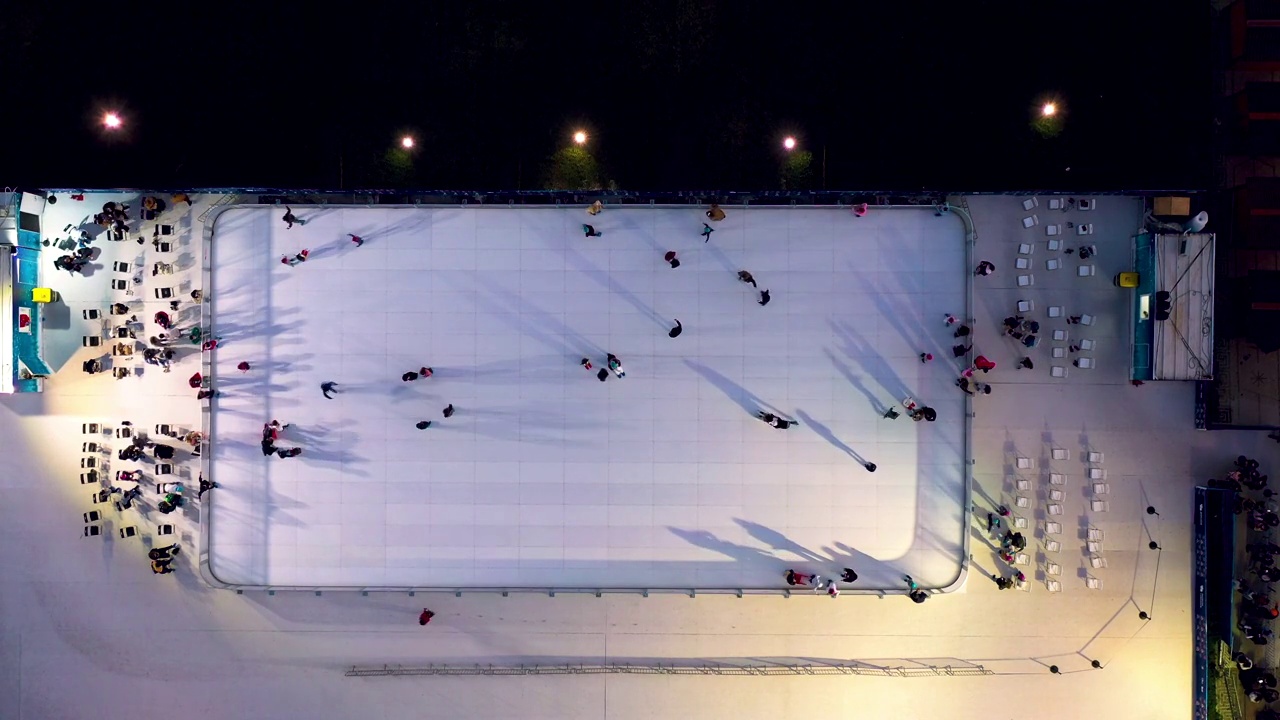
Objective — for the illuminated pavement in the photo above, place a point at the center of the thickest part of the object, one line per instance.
(88, 631)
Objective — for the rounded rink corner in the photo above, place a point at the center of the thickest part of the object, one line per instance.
(547, 480)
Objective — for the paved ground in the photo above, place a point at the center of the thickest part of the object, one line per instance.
(88, 631)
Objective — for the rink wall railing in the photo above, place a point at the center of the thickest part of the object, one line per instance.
(904, 668)
(953, 205)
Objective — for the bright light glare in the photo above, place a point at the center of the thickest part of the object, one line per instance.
(111, 121)
(406, 142)
(789, 143)
(580, 137)
(1049, 109)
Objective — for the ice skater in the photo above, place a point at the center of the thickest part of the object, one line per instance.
(744, 276)
(675, 331)
(775, 421)
(963, 331)
(913, 590)
(409, 376)
(243, 367)
(596, 208)
(291, 452)
(1002, 582)
(706, 232)
(448, 410)
(289, 218)
(328, 387)
(205, 486)
(715, 213)
(985, 267)
(302, 256)
(923, 412)
(423, 424)
(616, 366)
(764, 297)
(1026, 363)
(426, 615)
(961, 350)
(586, 364)
(590, 231)
(832, 590)
(671, 259)
(426, 372)
(210, 344)
(848, 575)
(356, 239)
(795, 578)
(925, 357)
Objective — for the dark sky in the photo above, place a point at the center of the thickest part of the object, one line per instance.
(677, 94)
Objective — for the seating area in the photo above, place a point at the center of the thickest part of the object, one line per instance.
(1069, 343)
(1050, 486)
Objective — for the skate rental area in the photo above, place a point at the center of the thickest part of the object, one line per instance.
(546, 477)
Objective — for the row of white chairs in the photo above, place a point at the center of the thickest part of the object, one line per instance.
(1058, 203)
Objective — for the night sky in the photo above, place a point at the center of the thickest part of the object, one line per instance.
(676, 94)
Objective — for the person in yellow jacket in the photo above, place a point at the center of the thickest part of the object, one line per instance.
(596, 208)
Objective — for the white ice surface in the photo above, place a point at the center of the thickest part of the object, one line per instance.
(545, 476)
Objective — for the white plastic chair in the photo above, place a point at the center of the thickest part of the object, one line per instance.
(1059, 352)
(1086, 319)
(1101, 488)
(1094, 534)
(1053, 585)
(1026, 306)
(1095, 546)
(1052, 568)
(1057, 204)
(1057, 495)
(1022, 463)
(1055, 245)
(1052, 264)
(1058, 371)
(1098, 562)
(1022, 559)
(1030, 221)
(1094, 456)
(1057, 479)
(1030, 204)
(1086, 271)
(1087, 345)
(1022, 484)
(1084, 363)
(1093, 583)
(1022, 502)
(1059, 335)
(1022, 264)
(1097, 474)
(1053, 528)
(1084, 229)
(1052, 230)
(1052, 546)
(1020, 523)
(1100, 506)
(1026, 281)
(1055, 311)
(1026, 248)
(1086, 204)
(1055, 509)
(1060, 454)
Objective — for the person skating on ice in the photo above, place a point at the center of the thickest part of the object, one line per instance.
(590, 231)
(671, 259)
(356, 239)
(775, 421)
(675, 331)
(328, 387)
(764, 297)
(706, 232)
(289, 218)
(616, 366)
(746, 277)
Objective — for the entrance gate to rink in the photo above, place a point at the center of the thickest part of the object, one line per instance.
(758, 668)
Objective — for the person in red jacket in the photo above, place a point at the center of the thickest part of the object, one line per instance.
(425, 617)
(982, 363)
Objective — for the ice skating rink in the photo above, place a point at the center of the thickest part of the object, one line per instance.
(546, 477)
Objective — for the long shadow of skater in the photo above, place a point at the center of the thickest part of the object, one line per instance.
(778, 541)
(705, 539)
(806, 420)
(549, 329)
(856, 381)
(872, 362)
(608, 282)
(747, 400)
